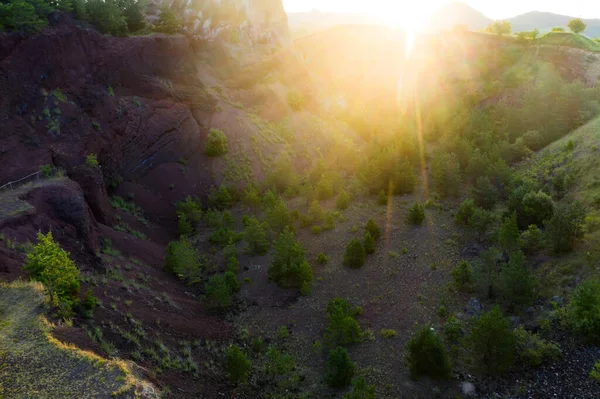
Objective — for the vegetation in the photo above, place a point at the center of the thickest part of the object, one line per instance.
(369, 244)
(372, 228)
(416, 214)
(289, 267)
(583, 310)
(463, 276)
(339, 369)
(237, 364)
(565, 227)
(256, 237)
(216, 144)
(577, 26)
(499, 28)
(343, 201)
(426, 355)
(355, 253)
(343, 329)
(183, 261)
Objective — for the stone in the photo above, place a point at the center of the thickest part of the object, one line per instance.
(467, 388)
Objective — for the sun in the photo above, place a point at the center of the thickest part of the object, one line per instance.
(409, 16)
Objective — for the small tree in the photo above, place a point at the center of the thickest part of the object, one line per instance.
(382, 198)
(184, 227)
(499, 28)
(361, 390)
(216, 144)
(343, 329)
(426, 355)
(372, 228)
(316, 214)
(537, 207)
(492, 342)
(484, 193)
(256, 237)
(577, 25)
(219, 198)
(463, 276)
(445, 174)
(289, 267)
(369, 243)
(92, 161)
(251, 197)
(51, 265)
(583, 310)
(237, 364)
(191, 208)
(510, 236)
(279, 217)
(416, 214)
(517, 284)
(465, 211)
(343, 201)
(168, 22)
(217, 292)
(339, 369)
(355, 254)
(182, 260)
(565, 227)
(535, 33)
(533, 239)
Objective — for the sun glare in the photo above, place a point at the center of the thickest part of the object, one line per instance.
(407, 16)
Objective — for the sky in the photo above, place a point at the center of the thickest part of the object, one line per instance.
(414, 11)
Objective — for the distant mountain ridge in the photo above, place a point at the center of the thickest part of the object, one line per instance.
(446, 17)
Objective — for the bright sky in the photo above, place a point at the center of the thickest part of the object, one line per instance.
(412, 12)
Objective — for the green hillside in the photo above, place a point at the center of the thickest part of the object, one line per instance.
(569, 39)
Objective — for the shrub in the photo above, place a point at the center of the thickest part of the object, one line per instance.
(316, 214)
(238, 366)
(51, 265)
(445, 174)
(315, 230)
(184, 226)
(322, 258)
(232, 282)
(388, 333)
(88, 304)
(369, 243)
(279, 217)
(462, 275)
(416, 214)
(537, 207)
(233, 265)
(343, 329)
(329, 223)
(403, 177)
(485, 194)
(339, 369)
(46, 170)
(289, 267)
(107, 16)
(509, 235)
(533, 350)
(216, 144)
(343, 200)
(565, 227)
(465, 211)
(426, 355)
(360, 390)
(295, 100)
(256, 237)
(492, 342)
(532, 239)
(21, 15)
(182, 260)
(219, 198)
(452, 330)
(168, 22)
(270, 199)
(191, 208)
(483, 222)
(595, 373)
(251, 197)
(517, 284)
(372, 228)
(217, 292)
(355, 254)
(92, 161)
(583, 310)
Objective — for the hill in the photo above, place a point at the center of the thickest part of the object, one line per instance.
(545, 21)
(457, 13)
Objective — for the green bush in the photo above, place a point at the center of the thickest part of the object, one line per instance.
(427, 356)
(92, 161)
(372, 228)
(382, 198)
(217, 292)
(355, 254)
(492, 342)
(343, 329)
(107, 16)
(270, 199)
(360, 390)
(483, 222)
(316, 230)
(452, 330)
(445, 174)
(517, 284)
(237, 364)
(343, 201)
(233, 265)
(537, 207)
(169, 23)
(583, 310)
(465, 211)
(322, 259)
(216, 144)
(279, 217)
(416, 214)
(533, 350)
(339, 369)
(485, 194)
(256, 237)
(220, 198)
(232, 281)
(316, 214)
(184, 226)
(49, 264)
(532, 239)
(251, 197)
(289, 267)
(22, 16)
(191, 208)
(369, 243)
(509, 236)
(565, 227)
(595, 373)
(182, 260)
(463, 276)
(388, 333)
(46, 170)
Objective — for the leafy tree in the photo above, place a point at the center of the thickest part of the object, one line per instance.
(360, 390)
(289, 267)
(107, 16)
(372, 228)
(339, 369)
(485, 194)
(232, 282)
(583, 310)
(510, 236)
(169, 23)
(343, 329)
(343, 200)
(533, 239)
(355, 253)
(492, 342)
(134, 13)
(534, 34)
(463, 276)
(22, 16)
(499, 28)
(238, 366)
(517, 284)
(182, 260)
(217, 292)
(426, 355)
(445, 174)
(483, 222)
(219, 198)
(537, 207)
(256, 237)
(191, 208)
(577, 25)
(416, 214)
(369, 243)
(51, 265)
(216, 144)
(565, 226)
(278, 217)
(465, 211)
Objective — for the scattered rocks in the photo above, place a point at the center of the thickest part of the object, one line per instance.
(467, 388)
(474, 307)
